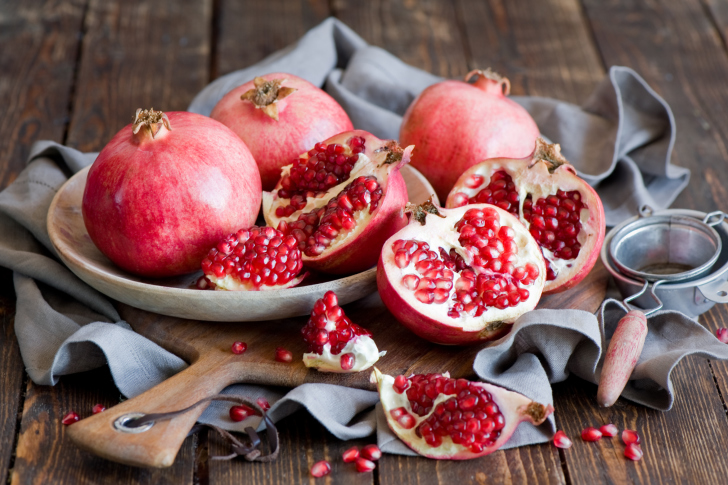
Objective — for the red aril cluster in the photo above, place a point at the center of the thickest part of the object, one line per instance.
(441, 417)
(478, 262)
(562, 212)
(316, 230)
(257, 258)
(341, 200)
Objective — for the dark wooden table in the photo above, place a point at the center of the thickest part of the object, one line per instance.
(75, 71)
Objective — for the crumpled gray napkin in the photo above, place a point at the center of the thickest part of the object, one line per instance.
(63, 326)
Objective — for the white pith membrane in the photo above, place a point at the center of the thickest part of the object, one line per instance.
(365, 166)
(514, 407)
(230, 283)
(440, 232)
(529, 180)
(362, 347)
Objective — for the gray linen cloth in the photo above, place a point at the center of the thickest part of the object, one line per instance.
(621, 139)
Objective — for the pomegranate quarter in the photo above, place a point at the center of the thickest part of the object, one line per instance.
(454, 419)
(165, 189)
(456, 276)
(341, 200)
(562, 212)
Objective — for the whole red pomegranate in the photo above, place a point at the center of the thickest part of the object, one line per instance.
(454, 125)
(563, 213)
(166, 189)
(280, 116)
(453, 419)
(341, 200)
(460, 275)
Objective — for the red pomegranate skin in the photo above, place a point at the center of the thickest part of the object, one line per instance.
(156, 206)
(305, 117)
(454, 125)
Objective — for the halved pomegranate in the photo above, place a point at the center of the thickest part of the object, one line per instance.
(258, 258)
(454, 419)
(341, 200)
(562, 212)
(335, 343)
(455, 276)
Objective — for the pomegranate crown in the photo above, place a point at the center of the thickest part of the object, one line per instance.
(489, 80)
(266, 94)
(150, 120)
(548, 153)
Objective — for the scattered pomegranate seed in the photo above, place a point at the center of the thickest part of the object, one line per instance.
(241, 412)
(70, 418)
(363, 465)
(722, 334)
(283, 355)
(629, 437)
(98, 408)
(591, 434)
(562, 441)
(351, 454)
(401, 383)
(320, 468)
(239, 347)
(203, 283)
(263, 403)
(371, 452)
(609, 430)
(633, 452)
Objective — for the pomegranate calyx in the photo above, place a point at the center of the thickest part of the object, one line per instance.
(419, 212)
(490, 81)
(152, 122)
(266, 94)
(550, 154)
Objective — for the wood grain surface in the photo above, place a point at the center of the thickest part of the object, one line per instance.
(74, 71)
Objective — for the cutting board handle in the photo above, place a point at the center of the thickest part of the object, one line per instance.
(157, 445)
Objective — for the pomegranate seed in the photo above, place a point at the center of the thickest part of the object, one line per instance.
(562, 441)
(263, 403)
(70, 418)
(350, 455)
(609, 430)
(347, 361)
(241, 412)
(629, 437)
(239, 347)
(283, 355)
(401, 383)
(633, 452)
(98, 408)
(363, 465)
(371, 452)
(722, 334)
(320, 468)
(591, 434)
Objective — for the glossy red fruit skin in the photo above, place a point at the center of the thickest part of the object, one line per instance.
(305, 117)
(156, 206)
(455, 124)
(361, 252)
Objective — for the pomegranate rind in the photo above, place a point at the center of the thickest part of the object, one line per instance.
(363, 347)
(516, 408)
(535, 176)
(356, 250)
(419, 317)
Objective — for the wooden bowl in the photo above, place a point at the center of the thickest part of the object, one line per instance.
(177, 296)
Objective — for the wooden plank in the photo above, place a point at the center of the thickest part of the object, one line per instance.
(303, 442)
(40, 41)
(718, 11)
(134, 54)
(249, 30)
(684, 445)
(543, 47)
(423, 33)
(45, 455)
(11, 381)
(138, 55)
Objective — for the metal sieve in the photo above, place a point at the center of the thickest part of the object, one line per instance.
(667, 248)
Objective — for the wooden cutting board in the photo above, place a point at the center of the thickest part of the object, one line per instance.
(206, 346)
